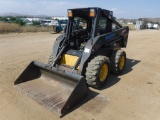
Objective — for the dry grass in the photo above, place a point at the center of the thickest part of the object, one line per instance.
(8, 27)
(12, 27)
(36, 29)
(131, 26)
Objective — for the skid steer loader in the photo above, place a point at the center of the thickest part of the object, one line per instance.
(82, 56)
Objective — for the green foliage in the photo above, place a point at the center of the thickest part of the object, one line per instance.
(3, 19)
(20, 22)
(8, 19)
(36, 23)
(13, 19)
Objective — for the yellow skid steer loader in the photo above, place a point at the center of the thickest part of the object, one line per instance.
(84, 55)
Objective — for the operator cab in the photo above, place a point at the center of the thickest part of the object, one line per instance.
(85, 24)
(79, 27)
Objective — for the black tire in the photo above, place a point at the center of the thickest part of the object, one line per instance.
(50, 59)
(57, 30)
(54, 28)
(93, 71)
(116, 60)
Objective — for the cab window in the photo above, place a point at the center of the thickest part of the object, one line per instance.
(102, 25)
(79, 24)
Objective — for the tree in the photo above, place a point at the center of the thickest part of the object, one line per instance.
(3, 19)
(13, 19)
(20, 22)
(36, 23)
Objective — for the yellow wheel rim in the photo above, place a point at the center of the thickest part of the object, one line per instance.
(103, 73)
(121, 63)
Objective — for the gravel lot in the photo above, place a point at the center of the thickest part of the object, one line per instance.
(135, 95)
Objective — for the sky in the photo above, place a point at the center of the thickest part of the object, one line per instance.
(122, 8)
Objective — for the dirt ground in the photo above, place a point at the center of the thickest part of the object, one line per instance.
(135, 95)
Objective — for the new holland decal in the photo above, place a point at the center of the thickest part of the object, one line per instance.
(109, 36)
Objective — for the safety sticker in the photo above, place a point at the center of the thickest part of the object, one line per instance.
(86, 50)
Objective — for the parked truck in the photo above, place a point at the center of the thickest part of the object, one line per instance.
(156, 26)
(149, 26)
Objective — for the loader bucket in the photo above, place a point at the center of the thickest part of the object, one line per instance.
(59, 91)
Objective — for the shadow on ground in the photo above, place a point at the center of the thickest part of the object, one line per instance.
(91, 95)
(56, 33)
(114, 79)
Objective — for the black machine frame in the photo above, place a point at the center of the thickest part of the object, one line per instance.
(96, 43)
